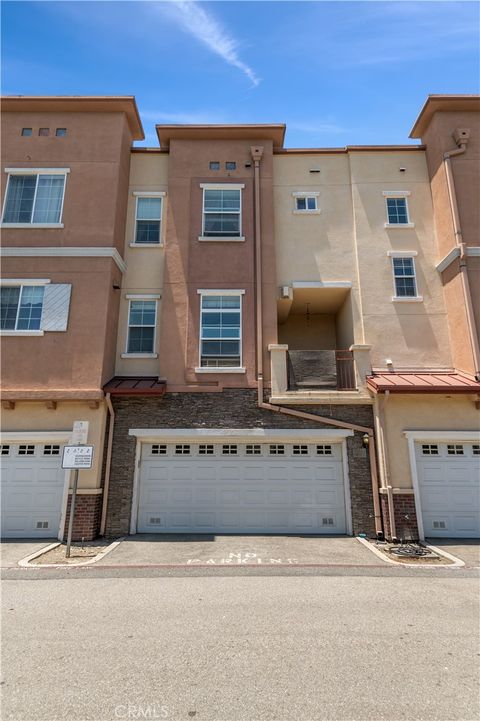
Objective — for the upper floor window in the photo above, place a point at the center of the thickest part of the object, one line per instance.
(142, 320)
(26, 132)
(34, 198)
(306, 202)
(222, 211)
(60, 132)
(148, 220)
(214, 165)
(21, 307)
(221, 330)
(404, 277)
(397, 208)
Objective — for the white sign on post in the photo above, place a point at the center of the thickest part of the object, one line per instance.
(79, 457)
(79, 433)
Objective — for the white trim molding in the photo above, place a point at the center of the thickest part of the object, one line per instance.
(143, 296)
(149, 193)
(402, 253)
(430, 435)
(260, 435)
(21, 332)
(65, 252)
(236, 239)
(35, 436)
(36, 171)
(471, 251)
(407, 298)
(24, 281)
(320, 284)
(396, 193)
(210, 291)
(219, 369)
(32, 225)
(399, 225)
(222, 186)
(304, 193)
(139, 355)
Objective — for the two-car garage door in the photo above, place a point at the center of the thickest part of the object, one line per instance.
(449, 485)
(241, 488)
(32, 484)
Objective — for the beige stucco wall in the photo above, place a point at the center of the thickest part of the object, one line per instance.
(421, 412)
(35, 417)
(314, 333)
(145, 265)
(348, 241)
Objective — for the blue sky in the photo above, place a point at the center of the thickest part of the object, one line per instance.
(338, 73)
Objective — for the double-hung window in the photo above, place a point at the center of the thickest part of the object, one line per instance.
(142, 321)
(148, 219)
(222, 212)
(21, 307)
(221, 330)
(34, 197)
(404, 277)
(397, 209)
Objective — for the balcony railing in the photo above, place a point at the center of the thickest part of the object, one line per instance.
(320, 370)
(313, 371)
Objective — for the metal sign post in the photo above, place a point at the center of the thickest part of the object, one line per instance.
(76, 457)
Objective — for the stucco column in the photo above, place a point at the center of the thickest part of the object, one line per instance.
(278, 361)
(363, 366)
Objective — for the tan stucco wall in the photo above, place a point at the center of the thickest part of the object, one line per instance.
(422, 412)
(348, 241)
(145, 265)
(315, 333)
(35, 417)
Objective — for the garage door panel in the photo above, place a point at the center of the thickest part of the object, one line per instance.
(254, 494)
(449, 486)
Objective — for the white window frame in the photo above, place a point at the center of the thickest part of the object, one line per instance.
(149, 194)
(37, 172)
(398, 194)
(222, 186)
(133, 298)
(405, 298)
(21, 283)
(306, 194)
(220, 369)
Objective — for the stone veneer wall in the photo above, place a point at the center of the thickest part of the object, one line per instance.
(405, 516)
(228, 409)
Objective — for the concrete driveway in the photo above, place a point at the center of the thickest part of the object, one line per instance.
(12, 551)
(467, 549)
(191, 550)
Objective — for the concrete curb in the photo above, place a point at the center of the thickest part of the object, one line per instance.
(457, 562)
(26, 562)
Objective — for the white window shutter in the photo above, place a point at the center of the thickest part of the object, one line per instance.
(56, 304)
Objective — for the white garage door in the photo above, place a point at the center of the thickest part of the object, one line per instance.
(449, 482)
(241, 488)
(32, 490)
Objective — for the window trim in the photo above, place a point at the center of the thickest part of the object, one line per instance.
(149, 194)
(404, 298)
(306, 194)
(21, 283)
(220, 369)
(398, 194)
(222, 186)
(37, 172)
(152, 354)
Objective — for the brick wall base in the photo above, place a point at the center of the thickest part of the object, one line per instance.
(88, 512)
(405, 516)
(229, 409)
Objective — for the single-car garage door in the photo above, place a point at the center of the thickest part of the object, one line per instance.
(241, 488)
(32, 489)
(449, 484)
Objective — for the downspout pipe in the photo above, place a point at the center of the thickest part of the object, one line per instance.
(108, 464)
(460, 243)
(257, 156)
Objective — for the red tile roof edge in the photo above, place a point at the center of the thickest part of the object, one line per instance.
(135, 386)
(418, 382)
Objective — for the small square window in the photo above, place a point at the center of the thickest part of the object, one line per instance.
(305, 203)
(300, 450)
(5, 449)
(253, 449)
(476, 449)
(60, 132)
(51, 450)
(397, 211)
(229, 449)
(26, 450)
(323, 450)
(182, 449)
(26, 132)
(214, 165)
(206, 449)
(277, 449)
(455, 449)
(44, 132)
(230, 165)
(430, 449)
(159, 449)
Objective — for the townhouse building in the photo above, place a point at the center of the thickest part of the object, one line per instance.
(285, 340)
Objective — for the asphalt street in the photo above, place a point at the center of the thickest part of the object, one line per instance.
(373, 645)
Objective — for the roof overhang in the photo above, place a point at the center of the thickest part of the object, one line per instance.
(135, 386)
(443, 103)
(77, 104)
(274, 132)
(409, 382)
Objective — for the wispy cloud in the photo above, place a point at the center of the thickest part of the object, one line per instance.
(313, 126)
(200, 117)
(207, 29)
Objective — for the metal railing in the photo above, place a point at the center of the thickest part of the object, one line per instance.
(321, 370)
(345, 370)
